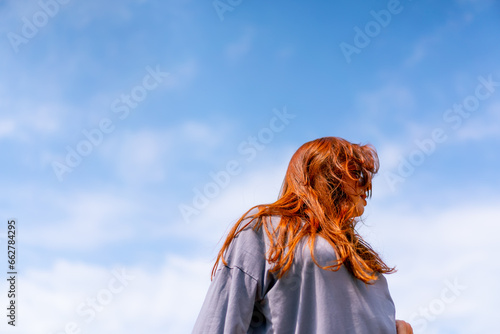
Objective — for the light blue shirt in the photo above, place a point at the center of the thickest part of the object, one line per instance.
(244, 297)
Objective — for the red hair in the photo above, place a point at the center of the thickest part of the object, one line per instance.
(312, 202)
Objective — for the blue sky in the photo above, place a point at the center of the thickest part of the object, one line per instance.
(115, 117)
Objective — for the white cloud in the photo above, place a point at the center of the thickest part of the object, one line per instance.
(430, 43)
(423, 47)
(7, 127)
(482, 124)
(166, 299)
(198, 133)
(181, 74)
(79, 220)
(390, 155)
(27, 121)
(258, 183)
(145, 155)
(427, 44)
(439, 245)
(242, 46)
(83, 218)
(138, 156)
(386, 99)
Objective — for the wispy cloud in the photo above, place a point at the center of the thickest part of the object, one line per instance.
(182, 74)
(430, 43)
(138, 156)
(481, 127)
(27, 122)
(145, 155)
(445, 243)
(84, 221)
(96, 299)
(384, 100)
(241, 47)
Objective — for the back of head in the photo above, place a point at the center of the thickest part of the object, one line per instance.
(316, 179)
(313, 201)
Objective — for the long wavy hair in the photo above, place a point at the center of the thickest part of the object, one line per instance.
(313, 202)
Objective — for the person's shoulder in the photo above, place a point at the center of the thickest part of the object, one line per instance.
(251, 233)
(248, 248)
(324, 252)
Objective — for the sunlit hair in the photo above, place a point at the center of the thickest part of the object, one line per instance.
(312, 202)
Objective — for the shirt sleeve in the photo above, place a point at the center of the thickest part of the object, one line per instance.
(229, 303)
(236, 287)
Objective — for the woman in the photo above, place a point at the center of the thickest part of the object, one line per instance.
(298, 265)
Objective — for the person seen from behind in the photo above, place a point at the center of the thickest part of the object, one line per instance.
(298, 265)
